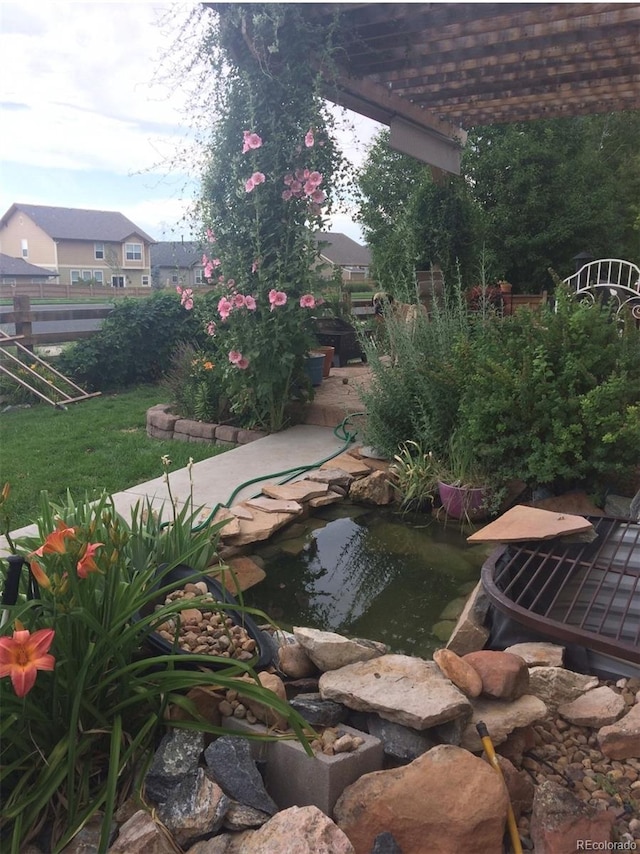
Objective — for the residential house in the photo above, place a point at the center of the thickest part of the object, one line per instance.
(175, 263)
(339, 251)
(13, 271)
(103, 247)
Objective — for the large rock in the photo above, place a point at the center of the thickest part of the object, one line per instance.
(142, 835)
(298, 830)
(400, 742)
(195, 808)
(556, 686)
(408, 691)
(294, 662)
(596, 708)
(519, 786)
(445, 802)
(332, 476)
(501, 718)
(260, 527)
(538, 654)
(504, 676)
(300, 491)
(330, 651)
(319, 712)
(373, 489)
(560, 822)
(178, 753)
(470, 633)
(230, 763)
(621, 740)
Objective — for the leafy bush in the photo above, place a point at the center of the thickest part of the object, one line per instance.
(134, 345)
(195, 384)
(553, 398)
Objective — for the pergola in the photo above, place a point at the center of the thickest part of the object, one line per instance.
(432, 70)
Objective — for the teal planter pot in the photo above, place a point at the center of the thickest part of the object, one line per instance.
(313, 367)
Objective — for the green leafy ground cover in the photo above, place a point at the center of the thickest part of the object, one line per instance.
(96, 444)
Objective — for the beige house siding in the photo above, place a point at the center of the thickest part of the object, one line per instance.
(41, 248)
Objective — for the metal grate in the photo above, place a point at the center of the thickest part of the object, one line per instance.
(585, 593)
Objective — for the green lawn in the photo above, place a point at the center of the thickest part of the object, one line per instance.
(100, 443)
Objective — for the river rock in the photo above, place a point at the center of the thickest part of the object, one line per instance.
(272, 682)
(621, 740)
(501, 717)
(556, 686)
(596, 708)
(446, 801)
(405, 690)
(540, 654)
(463, 675)
(330, 651)
(504, 676)
(559, 820)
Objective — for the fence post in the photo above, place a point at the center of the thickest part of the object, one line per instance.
(22, 317)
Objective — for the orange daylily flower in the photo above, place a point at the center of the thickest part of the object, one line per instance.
(87, 564)
(39, 574)
(55, 541)
(22, 655)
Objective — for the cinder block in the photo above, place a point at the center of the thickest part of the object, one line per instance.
(293, 778)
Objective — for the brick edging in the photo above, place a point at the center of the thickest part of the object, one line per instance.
(163, 424)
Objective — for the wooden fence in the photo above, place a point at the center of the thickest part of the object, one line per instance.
(51, 290)
(24, 316)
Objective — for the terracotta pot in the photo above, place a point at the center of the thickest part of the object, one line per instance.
(505, 287)
(464, 502)
(329, 353)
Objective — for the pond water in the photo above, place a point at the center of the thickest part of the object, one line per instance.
(397, 578)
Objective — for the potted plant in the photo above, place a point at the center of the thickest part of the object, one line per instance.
(463, 486)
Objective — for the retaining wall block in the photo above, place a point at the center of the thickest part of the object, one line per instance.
(226, 433)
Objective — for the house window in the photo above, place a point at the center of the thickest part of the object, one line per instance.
(86, 275)
(198, 275)
(75, 277)
(174, 279)
(98, 251)
(145, 281)
(133, 251)
(25, 248)
(98, 277)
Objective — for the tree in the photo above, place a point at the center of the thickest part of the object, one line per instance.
(410, 221)
(550, 189)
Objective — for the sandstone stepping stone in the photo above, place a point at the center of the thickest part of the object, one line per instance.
(324, 500)
(274, 505)
(300, 491)
(242, 574)
(463, 675)
(329, 650)
(348, 463)
(529, 523)
(501, 717)
(241, 511)
(600, 707)
(621, 740)
(402, 689)
(332, 476)
(232, 525)
(261, 527)
(540, 654)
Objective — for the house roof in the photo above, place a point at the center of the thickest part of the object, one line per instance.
(342, 250)
(10, 266)
(79, 224)
(180, 254)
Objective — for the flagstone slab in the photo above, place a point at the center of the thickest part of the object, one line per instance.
(274, 505)
(241, 511)
(347, 463)
(332, 476)
(261, 527)
(301, 490)
(408, 691)
(324, 500)
(240, 574)
(232, 526)
(522, 523)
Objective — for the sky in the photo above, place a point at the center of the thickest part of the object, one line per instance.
(95, 116)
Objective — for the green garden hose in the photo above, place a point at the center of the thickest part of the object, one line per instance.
(340, 432)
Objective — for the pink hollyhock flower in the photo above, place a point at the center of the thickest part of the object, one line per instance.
(307, 301)
(224, 307)
(308, 138)
(211, 327)
(242, 363)
(309, 188)
(235, 356)
(250, 141)
(296, 187)
(238, 300)
(318, 196)
(210, 236)
(249, 185)
(258, 178)
(277, 298)
(208, 270)
(205, 260)
(286, 195)
(315, 178)
(300, 174)
(186, 298)
(256, 264)
(178, 289)
(288, 178)
(250, 303)
(215, 262)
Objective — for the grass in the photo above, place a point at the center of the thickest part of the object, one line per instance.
(97, 444)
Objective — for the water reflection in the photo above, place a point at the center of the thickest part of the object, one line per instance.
(378, 575)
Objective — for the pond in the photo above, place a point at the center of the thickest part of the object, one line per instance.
(397, 578)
